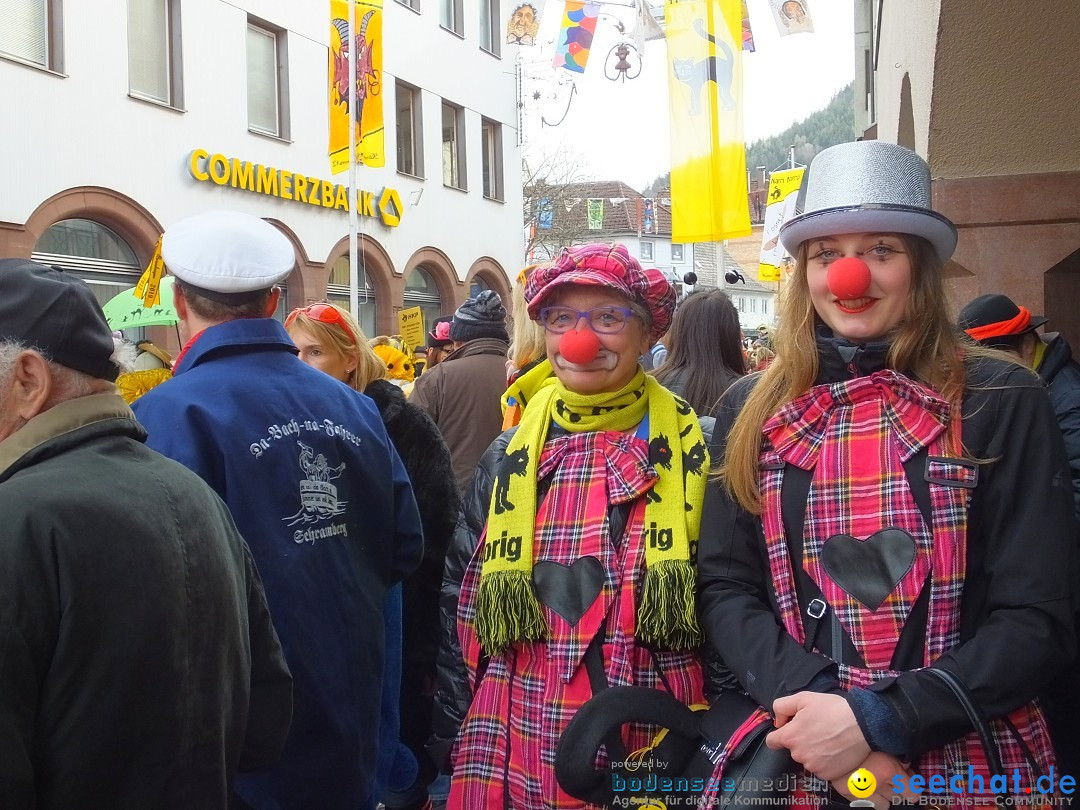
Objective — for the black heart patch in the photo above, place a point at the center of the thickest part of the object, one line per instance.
(869, 570)
(569, 590)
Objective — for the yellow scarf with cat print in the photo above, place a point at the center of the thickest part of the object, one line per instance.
(507, 609)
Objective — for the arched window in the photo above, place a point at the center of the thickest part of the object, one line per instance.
(94, 253)
(337, 292)
(422, 291)
(478, 285)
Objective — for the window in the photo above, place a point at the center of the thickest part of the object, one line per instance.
(489, 26)
(413, 4)
(154, 50)
(647, 251)
(30, 31)
(337, 292)
(453, 146)
(422, 291)
(477, 286)
(753, 305)
(491, 135)
(410, 130)
(267, 78)
(765, 306)
(94, 253)
(676, 253)
(450, 16)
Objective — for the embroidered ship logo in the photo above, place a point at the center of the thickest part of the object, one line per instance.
(318, 497)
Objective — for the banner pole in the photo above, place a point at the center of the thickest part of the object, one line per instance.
(354, 269)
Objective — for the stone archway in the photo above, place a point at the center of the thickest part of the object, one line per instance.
(379, 269)
(118, 212)
(442, 271)
(493, 274)
(296, 284)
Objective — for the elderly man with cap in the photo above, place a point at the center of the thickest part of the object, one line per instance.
(995, 320)
(138, 664)
(316, 488)
(462, 394)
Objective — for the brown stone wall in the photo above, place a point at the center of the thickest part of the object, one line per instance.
(1019, 235)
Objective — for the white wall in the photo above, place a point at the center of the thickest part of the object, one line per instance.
(82, 129)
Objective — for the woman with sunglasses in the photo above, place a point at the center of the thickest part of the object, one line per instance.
(578, 554)
(330, 339)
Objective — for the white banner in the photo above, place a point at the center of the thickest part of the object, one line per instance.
(792, 16)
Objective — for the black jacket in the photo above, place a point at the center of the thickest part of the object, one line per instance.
(1016, 628)
(138, 664)
(1062, 377)
(427, 461)
(454, 692)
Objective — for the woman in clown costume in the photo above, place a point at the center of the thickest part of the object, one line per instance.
(890, 500)
(575, 571)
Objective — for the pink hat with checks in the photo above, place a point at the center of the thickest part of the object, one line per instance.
(605, 265)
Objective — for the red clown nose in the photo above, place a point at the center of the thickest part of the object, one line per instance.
(849, 278)
(579, 346)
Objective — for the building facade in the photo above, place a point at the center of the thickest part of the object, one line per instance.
(126, 117)
(982, 91)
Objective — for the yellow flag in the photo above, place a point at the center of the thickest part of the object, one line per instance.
(367, 90)
(708, 157)
(148, 287)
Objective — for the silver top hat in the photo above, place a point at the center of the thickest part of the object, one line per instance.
(869, 187)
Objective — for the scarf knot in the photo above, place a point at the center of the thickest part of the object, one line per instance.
(916, 413)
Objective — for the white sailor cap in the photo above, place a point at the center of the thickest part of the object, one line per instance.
(227, 252)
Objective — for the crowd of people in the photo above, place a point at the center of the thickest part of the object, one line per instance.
(284, 570)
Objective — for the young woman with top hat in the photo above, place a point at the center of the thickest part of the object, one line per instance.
(890, 502)
(330, 339)
(575, 571)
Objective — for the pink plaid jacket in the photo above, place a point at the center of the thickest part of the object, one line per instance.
(527, 695)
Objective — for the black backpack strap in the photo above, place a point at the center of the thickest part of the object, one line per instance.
(594, 668)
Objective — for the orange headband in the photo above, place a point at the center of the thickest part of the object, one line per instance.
(1013, 326)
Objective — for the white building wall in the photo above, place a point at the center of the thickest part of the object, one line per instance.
(82, 128)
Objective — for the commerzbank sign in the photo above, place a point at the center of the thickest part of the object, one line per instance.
(286, 185)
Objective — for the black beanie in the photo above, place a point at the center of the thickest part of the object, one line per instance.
(55, 312)
(480, 317)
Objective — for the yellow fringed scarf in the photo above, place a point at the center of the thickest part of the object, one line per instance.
(507, 609)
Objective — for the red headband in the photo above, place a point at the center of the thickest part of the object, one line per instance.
(1013, 326)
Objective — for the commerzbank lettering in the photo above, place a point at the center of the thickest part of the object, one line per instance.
(221, 170)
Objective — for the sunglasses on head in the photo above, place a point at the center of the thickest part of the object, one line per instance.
(323, 313)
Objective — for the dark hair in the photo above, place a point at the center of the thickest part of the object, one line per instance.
(217, 311)
(704, 349)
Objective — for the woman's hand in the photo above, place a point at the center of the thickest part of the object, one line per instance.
(821, 733)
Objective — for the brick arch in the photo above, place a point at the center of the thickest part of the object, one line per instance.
(493, 273)
(116, 211)
(296, 284)
(380, 272)
(442, 270)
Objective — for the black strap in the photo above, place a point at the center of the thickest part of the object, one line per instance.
(594, 667)
(975, 715)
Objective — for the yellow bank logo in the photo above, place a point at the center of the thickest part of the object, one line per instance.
(293, 186)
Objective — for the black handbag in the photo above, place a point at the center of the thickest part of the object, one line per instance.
(678, 769)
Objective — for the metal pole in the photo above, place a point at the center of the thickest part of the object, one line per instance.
(354, 269)
(791, 157)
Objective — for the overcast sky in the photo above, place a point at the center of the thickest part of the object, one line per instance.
(621, 128)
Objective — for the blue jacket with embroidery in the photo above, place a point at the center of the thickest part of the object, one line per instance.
(317, 490)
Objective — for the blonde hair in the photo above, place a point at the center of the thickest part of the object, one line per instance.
(332, 336)
(924, 346)
(527, 341)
